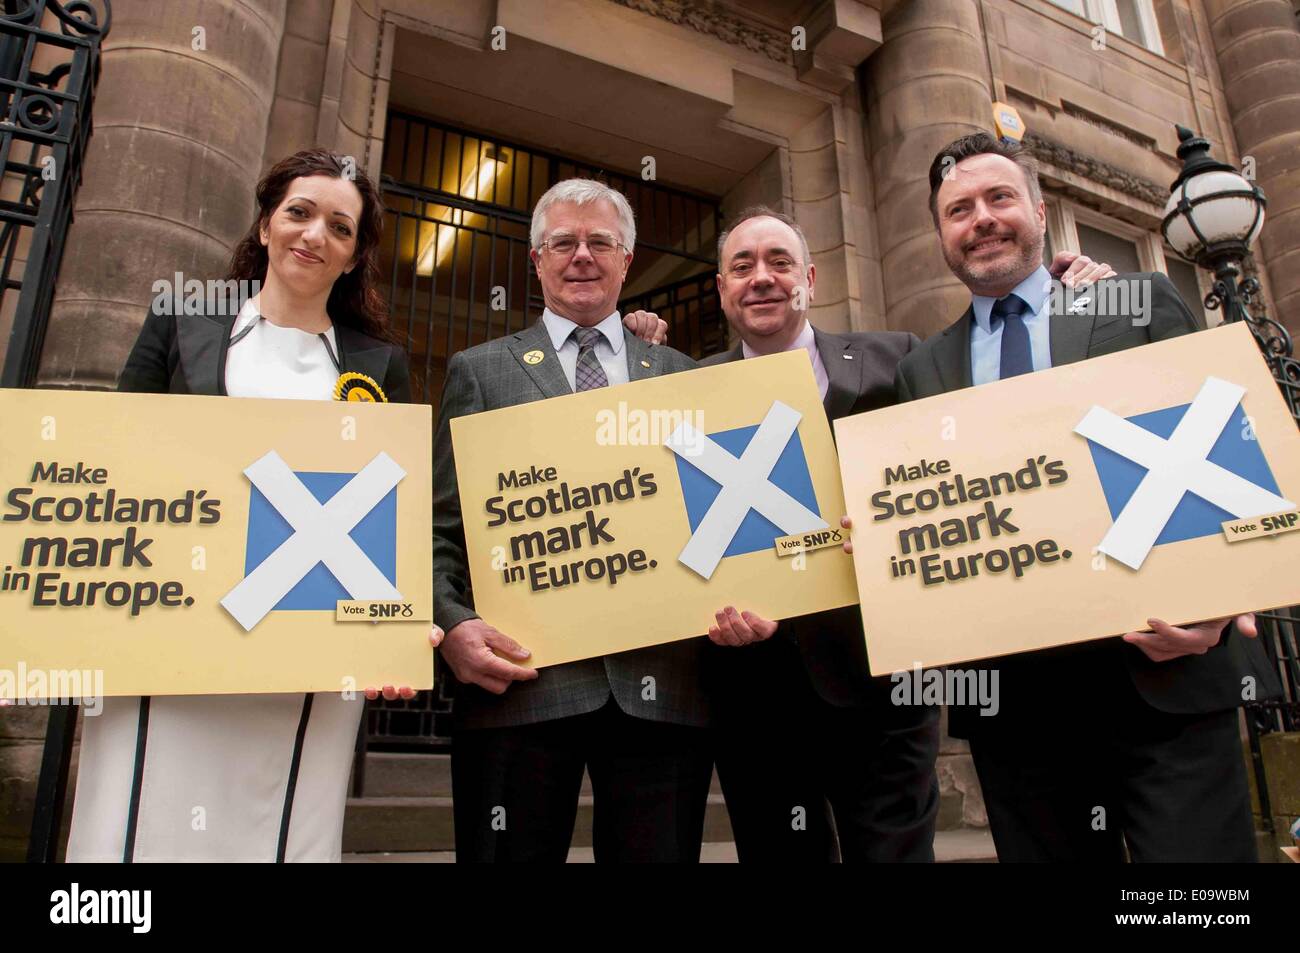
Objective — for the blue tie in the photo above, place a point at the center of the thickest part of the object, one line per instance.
(1016, 358)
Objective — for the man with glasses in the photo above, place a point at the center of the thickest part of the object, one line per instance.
(635, 720)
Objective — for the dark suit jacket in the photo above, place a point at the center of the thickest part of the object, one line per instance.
(1034, 684)
(860, 370)
(494, 375)
(186, 354)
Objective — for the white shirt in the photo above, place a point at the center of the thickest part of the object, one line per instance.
(609, 348)
(271, 361)
(806, 341)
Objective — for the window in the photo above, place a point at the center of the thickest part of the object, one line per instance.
(1102, 246)
(1126, 248)
(1185, 277)
(1132, 19)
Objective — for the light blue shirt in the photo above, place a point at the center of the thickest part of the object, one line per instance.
(609, 348)
(986, 340)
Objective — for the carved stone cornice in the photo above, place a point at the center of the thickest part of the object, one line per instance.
(717, 23)
(1063, 157)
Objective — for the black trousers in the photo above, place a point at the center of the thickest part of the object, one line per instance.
(808, 782)
(1080, 786)
(516, 789)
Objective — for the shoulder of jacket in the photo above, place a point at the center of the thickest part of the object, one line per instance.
(671, 357)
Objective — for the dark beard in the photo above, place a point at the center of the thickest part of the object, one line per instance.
(1021, 267)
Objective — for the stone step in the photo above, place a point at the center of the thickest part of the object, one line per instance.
(413, 824)
(950, 847)
(407, 807)
(393, 774)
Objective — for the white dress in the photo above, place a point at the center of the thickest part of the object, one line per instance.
(224, 777)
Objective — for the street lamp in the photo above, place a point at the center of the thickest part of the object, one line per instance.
(1212, 217)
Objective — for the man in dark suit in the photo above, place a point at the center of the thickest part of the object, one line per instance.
(807, 744)
(1126, 741)
(815, 761)
(635, 720)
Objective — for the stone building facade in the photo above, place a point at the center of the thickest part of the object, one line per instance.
(828, 109)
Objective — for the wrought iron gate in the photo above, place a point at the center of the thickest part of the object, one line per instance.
(44, 126)
(456, 258)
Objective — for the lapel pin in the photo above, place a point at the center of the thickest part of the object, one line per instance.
(645, 363)
(848, 357)
(533, 357)
(1080, 304)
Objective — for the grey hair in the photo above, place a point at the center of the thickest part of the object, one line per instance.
(762, 211)
(583, 192)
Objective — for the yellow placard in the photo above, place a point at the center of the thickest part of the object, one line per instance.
(1071, 504)
(627, 516)
(185, 544)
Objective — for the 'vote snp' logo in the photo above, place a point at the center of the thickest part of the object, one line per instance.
(1180, 472)
(316, 538)
(743, 488)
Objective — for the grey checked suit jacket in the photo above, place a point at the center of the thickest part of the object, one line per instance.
(494, 375)
(1033, 682)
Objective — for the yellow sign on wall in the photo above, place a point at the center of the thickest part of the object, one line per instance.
(185, 544)
(1073, 503)
(624, 517)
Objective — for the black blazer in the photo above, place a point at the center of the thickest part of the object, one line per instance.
(860, 377)
(186, 354)
(1033, 684)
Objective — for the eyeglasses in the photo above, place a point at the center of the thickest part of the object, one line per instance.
(566, 246)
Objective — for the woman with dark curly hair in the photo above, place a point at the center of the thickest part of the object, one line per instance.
(250, 777)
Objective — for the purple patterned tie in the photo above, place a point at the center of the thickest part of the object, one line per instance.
(588, 374)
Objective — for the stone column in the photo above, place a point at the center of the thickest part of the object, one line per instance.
(1258, 47)
(927, 85)
(180, 117)
(295, 111)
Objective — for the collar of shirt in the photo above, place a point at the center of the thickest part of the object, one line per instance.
(1033, 291)
(560, 328)
(247, 315)
(808, 342)
(804, 339)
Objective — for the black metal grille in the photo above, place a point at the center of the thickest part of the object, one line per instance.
(456, 243)
(692, 310)
(1279, 630)
(42, 143)
(43, 133)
